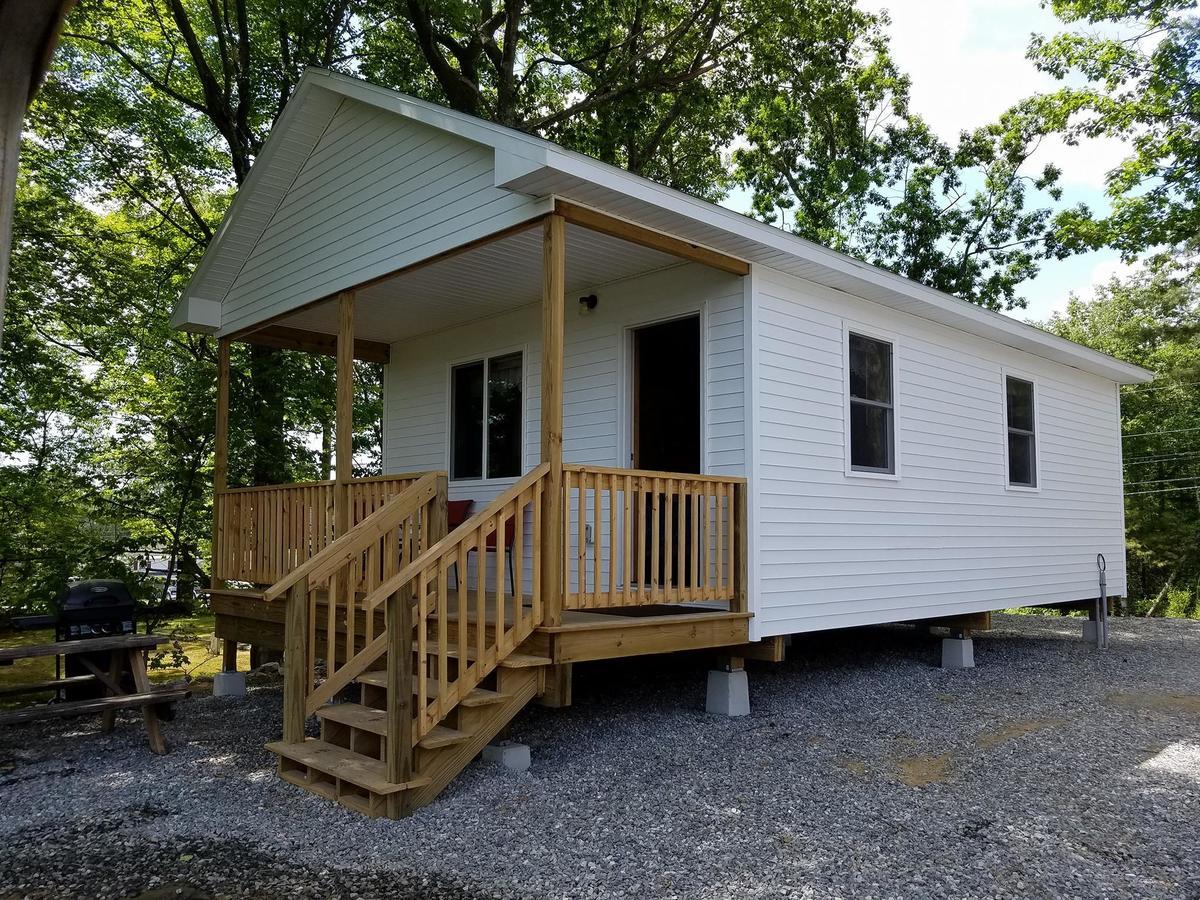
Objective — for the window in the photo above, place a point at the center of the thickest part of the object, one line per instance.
(872, 413)
(1019, 416)
(485, 418)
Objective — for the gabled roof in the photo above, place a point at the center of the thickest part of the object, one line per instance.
(537, 167)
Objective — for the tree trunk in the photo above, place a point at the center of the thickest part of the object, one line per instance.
(266, 415)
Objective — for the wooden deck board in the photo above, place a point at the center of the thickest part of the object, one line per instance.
(584, 635)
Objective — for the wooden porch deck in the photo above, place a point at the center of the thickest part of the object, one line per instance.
(583, 636)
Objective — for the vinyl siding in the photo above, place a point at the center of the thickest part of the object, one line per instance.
(948, 535)
(416, 417)
(378, 192)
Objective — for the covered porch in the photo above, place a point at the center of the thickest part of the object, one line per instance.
(634, 560)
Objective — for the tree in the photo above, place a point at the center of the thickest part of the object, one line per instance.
(1140, 64)
(1153, 319)
(859, 172)
(156, 110)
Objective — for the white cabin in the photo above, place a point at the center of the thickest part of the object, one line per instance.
(817, 443)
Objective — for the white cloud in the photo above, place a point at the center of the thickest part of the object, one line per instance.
(966, 59)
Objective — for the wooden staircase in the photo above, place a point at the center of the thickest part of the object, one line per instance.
(436, 661)
(347, 764)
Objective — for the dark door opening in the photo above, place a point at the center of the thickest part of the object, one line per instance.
(666, 396)
(666, 437)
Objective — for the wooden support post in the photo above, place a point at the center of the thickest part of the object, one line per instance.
(344, 440)
(399, 699)
(558, 686)
(341, 588)
(220, 460)
(439, 523)
(553, 314)
(741, 546)
(295, 663)
(228, 655)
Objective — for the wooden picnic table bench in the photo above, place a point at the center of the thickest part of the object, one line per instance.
(125, 653)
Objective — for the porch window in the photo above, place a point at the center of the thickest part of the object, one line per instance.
(872, 413)
(485, 418)
(1022, 439)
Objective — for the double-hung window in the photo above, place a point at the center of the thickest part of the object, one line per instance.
(872, 406)
(485, 418)
(1020, 420)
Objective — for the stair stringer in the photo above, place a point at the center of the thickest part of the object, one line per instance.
(437, 768)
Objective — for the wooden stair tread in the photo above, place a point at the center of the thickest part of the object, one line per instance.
(441, 736)
(370, 774)
(476, 697)
(355, 715)
(512, 661)
(524, 661)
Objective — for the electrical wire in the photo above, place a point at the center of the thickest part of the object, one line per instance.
(1194, 487)
(1146, 433)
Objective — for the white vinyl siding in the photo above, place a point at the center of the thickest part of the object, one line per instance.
(594, 378)
(595, 361)
(948, 537)
(378, 192)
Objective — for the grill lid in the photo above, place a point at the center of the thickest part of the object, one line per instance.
(96, 596)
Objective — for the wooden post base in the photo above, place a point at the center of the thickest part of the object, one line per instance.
(558, 686)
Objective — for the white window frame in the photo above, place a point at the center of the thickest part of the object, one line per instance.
(485, 357)
(875, 334)
(1005, 374)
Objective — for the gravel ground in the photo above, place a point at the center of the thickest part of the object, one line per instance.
(1051, 770)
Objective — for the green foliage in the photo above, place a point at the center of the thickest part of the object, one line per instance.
(1153, 319)
(156, 109)
(1139, 61)
(860, 173)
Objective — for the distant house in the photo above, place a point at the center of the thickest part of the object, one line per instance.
(677, 428)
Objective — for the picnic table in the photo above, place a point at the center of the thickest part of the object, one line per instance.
(125, 653)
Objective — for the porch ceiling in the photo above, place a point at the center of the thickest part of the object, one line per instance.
(489, 279)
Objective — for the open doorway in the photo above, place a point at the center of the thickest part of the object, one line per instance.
(665, 429)
(666, 396)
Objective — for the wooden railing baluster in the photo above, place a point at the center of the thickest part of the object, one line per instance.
(669, 537)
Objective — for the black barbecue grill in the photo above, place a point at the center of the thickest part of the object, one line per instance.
(87, 609)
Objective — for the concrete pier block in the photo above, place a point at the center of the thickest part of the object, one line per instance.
(1090, 630)
(958, 653)
(229, 684)
(728, 693)
(510, 754)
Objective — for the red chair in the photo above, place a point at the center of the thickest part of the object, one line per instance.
(457, 512)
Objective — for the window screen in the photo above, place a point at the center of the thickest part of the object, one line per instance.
(872, 413)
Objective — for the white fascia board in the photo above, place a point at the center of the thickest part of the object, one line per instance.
(197, 314)
(510, 168)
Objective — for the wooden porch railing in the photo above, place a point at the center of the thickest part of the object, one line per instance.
(463, 632)
(265, 532)
(638, 537)
(326, 617)
(459, 634)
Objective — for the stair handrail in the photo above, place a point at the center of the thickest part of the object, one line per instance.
(369, 546)
(414, 568)
(354, 541)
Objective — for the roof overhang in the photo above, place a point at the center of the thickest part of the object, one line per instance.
(536, 167)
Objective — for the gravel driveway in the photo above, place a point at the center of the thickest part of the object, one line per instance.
(1051, 770)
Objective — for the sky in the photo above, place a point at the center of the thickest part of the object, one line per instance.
(966, 59)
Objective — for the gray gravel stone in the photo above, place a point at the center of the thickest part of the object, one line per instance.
(863, 770)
